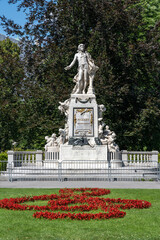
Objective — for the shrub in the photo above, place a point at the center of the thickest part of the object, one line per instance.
(3, 161)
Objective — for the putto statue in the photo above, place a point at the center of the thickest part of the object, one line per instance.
(86, 71)
(64, 107)
(51, 141)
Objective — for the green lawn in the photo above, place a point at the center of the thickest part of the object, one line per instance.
(138, 224)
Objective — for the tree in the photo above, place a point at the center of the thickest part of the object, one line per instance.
(127, 82)
(11, 98)
(151, 12)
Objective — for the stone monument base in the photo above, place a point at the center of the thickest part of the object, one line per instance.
(116, 163)
(52, 153)
(79, 153)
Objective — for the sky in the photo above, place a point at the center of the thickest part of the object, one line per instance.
(10, 11)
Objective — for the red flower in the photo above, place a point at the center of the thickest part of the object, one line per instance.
(87, 198)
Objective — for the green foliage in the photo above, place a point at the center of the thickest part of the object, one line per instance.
(125, 49)
(11, 81)
(151, 12)
(3, 161)
(3, 156)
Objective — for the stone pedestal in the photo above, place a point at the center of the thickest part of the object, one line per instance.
(39, 157)
(52, 153)
(116, 163)
(84, 153)
(80, 141)
(83, 116)
(125, 157)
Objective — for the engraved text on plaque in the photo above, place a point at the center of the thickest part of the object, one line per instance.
(83, 122)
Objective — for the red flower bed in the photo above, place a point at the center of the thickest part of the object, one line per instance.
(88, 199)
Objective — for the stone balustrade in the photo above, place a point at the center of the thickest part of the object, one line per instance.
(129, 158)
(132, 158)
(51, 156)
(19, 158)
(52, 153)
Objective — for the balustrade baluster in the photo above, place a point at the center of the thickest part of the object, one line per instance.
(141, 158)
(134, 158)
(145, 158)
(33, 158)
(15, 159)
(130, 158)
(25, 158)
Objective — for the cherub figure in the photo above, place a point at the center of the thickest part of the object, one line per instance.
(51, 141)
(64, 107)
(62, 138)
(101, 109)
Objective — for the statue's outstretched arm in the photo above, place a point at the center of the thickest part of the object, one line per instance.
(72, 63)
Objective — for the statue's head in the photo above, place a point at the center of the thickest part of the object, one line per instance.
(81, 47)
(53, 135)
(113, 135)
(61, 130)
(107, 127)
(102, 108)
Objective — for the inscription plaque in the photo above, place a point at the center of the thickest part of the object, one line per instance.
(83, 122)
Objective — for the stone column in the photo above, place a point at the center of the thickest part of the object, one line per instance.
(125, 157)
(10, 164)
(39, 157)
(155, 158)
(116, 162)
(10, 157)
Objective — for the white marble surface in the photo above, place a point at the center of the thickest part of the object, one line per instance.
(86, 71)
(81, 101)
(69, 152)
